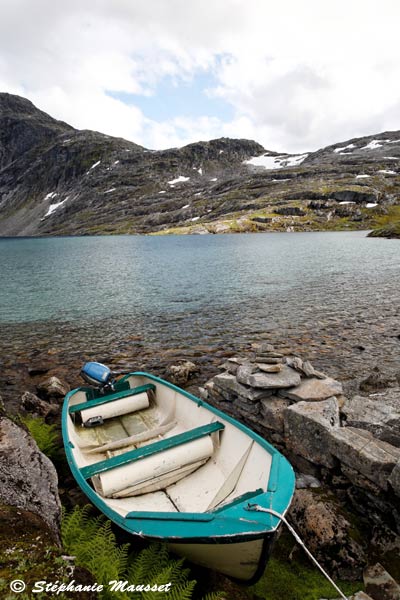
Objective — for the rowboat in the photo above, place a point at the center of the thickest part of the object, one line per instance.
(165, 465)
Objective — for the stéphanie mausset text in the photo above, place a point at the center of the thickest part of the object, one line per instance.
(58, 587)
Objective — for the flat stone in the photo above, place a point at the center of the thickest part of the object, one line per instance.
(308, 426)
(375, 414)
(287, 377)
(269, 368)
(228, 383)
(269, 354)
(268, 360)
(313, 389)
(272, 410)
(379, 584)
(359, 450)
(394, 479)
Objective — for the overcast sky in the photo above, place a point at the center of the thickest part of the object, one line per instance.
(294, 75)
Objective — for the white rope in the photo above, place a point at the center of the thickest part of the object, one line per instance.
(258, 508)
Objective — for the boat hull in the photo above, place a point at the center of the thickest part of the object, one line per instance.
(242, 561)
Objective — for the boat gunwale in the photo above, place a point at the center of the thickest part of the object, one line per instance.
(280, 471)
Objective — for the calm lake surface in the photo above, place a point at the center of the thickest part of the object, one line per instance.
(180, 290)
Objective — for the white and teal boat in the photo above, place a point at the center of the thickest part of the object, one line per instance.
(164, 465)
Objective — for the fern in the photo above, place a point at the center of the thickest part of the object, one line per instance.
(94, 546)
(44, 435)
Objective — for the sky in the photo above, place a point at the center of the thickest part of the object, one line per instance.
(294, 75)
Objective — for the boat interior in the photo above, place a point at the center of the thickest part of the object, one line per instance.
(148, 447)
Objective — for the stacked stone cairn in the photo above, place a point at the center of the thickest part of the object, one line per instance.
(349, 443)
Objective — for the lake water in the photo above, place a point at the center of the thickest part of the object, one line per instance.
(181, 290)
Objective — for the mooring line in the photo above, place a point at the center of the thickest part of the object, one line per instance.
(258, 508)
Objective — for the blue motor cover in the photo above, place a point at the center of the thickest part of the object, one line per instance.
(96, 374)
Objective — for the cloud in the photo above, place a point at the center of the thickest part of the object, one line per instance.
(295, 75)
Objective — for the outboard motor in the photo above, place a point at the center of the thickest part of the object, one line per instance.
(99, 376)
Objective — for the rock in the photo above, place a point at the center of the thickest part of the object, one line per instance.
(247, 407)
(287, 377)
(304, 481)
(33, 404)
(28, 478)
(360, 596)
(269, 368)
(379, 584)
(359, 450)
(265, 347)
(52, 388)
(232, 364)
(269, 354)
(229, 383)
(378, 414)
(377, 380)
(394, 479)
(269, 360)
(181, 374)
(314, 389)
(360, 480)
(327, 534)
(308, 427)
(221, 228)
(272, 410)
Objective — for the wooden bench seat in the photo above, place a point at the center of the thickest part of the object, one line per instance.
(150, 449)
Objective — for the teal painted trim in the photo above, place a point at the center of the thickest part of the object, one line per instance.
(274, 475)
(111, 397)
(150, 449)
(171, 516)
(238, 500)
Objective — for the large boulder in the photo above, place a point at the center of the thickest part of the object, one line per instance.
(359, 450)
(328, 534)
(28, 479)
(379, 414)
(308, 426)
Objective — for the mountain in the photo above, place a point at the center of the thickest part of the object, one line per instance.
(56, 180)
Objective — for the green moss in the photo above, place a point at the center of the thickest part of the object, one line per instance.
(296, 579)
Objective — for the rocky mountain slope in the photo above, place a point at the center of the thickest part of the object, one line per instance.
(56, 180)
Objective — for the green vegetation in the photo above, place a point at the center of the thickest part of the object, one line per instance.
(45, 435)
(388, 225)
(296, 579)
(93, 543)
